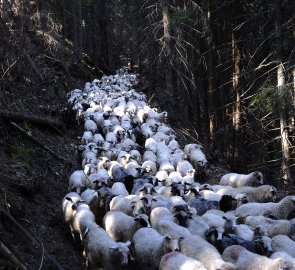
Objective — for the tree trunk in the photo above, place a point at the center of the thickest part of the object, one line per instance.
(236, 114)
(211, 105)
(286, 176)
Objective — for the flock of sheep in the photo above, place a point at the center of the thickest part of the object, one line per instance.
(136, 199)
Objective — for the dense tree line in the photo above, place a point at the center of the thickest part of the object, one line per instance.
(224, 70)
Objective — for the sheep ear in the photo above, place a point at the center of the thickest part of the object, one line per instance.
(114, 248)
(144, 199)
(69, 199)
(141, 189)
(132, 204)
(95, 181)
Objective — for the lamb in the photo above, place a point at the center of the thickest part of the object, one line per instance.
(77, 181)
(196, 247)
(246, 260)
(283, 243)
(281, 209)
(163, 221)
(122, 227)
(150, 246)
(178, 261)
(105, 251)
(239, 180)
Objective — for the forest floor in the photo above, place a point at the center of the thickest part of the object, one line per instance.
(33, 181)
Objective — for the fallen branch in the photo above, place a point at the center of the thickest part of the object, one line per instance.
(10, 256)
(34, 67)
(22, 229)
(38, 142)
(30, 118)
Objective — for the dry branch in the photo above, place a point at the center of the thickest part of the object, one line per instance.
(51, 122)
(22, 229)
(10, 256)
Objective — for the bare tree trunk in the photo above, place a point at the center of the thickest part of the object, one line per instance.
(211, 106)
(78, 30)
(236, 114)
(286, 176)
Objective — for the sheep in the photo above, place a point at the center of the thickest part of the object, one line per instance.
(121, 203)
(135, 155)
(281, 209)
(149, 246)
(264, 193)
(163, 178)
(77, 181)
(239, 180)
(178, 261)
(147, 188)
(87, 137)
(183, 167)
(174, 189)
(134, 169)
(88, 195)
(246, 260)
(283, 243)
(122, 227)
(166, 165)
(150, 167)
(160, 201)
(103, 162)
(261, 245)
(68, 212)
(188, 148)
(272, 227)
(244, 231)
(163, 221)
(83, 218)
(105, 251)
(199, 161)
(202, 205)
(176, 177)
(119, 188)
(89, 169)
(289, 260)
(194, 223)
(149, 156)
(197, 248)
(216, 221)
(90, 125)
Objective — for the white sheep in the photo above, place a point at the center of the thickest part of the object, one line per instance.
(239, 180)
(77, 181)
(246, 260)
(283, 243)
(271, 226)
(178, 261)
(119, 188)
(67, 208)
(286, 257)
(102, 250)
(122, 227)
(87, 137)
(264, 193)
(198, 160)
(216, 221)
(150, 167)
(90, 125)
(163, 221)
(183, 167)
(83, 218)
(196, 247)
(121, 203)
(280, 210)
(150, 246)
(149, 156)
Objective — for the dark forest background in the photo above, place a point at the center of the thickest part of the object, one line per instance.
(224, 70)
